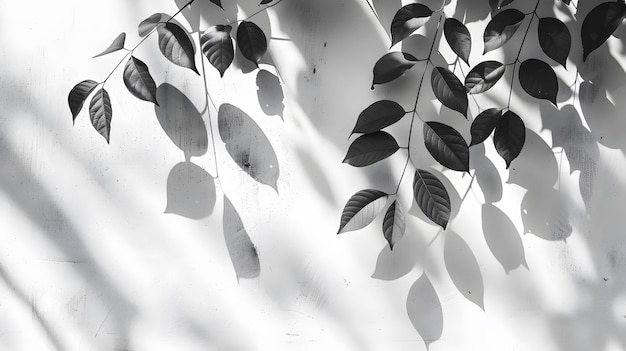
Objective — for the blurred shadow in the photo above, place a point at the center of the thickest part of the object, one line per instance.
(463, 269)
(424, 309)
(191, 191)
(270, 93)
(502, 238)
(316, 175)
(545, 214)
(242, 251)
(202, 14)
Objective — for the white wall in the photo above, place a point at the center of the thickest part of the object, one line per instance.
(90, 261)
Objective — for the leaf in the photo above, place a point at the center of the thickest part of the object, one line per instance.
(463, 269)
(116, 45)
(101, 112)
(394, 224)
(566, 1)
(407, 20)
(241, 249)
(264, 2)
(78, 95)
(361, 209)
(424, 309)
(218, 3)
(484, 76)
(176, 45)
(458, 37)
(506, 3)
(147, 25)
(378, 115)
(509, 136)
(599, 24)
(484, 124)
(501, 28)
(555, 39)
(449, 90)
(217, 46)
(371, 148)
(251, 41)
(391, 66)
(538, 79)
(138, 80)
(432, 197)
(447, 146)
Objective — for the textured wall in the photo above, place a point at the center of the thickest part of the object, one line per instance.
(133, 245)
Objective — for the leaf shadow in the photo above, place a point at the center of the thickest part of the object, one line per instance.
(424, 309)
(544, 214)
(316, 174)
(206, 13)
(487, 174)
(270, 93)
(191, 191)
(241, 249)
(463, 269)
(502, 238)
(181, 121)
(396, 263)
(536, 166)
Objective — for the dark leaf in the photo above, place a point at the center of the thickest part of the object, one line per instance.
(432, 197)
(509, 136)
(371, 148)
(458, 37)
(378, 115)
(394, 224)
(264, 2)
(484, 124)
(449, 90)
(494, 5)
(218, 3)
(361, 209)
(424, 309)
(391, 66)
(506, 3)
(463, 269)
(78, 95)
(176, 45)
(566, 1)
(555, 39)
(599, 24)
(538, 79)
(116, 45)
(484, 76)
(407, 20)
(100, 112)
(501, 28)
(251, 41)
(217, 46)
(447, 146)
(147, 25)
(138, 80)
(241, 249)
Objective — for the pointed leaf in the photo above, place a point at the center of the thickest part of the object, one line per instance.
(243, 253)
(218, 3)
(538, 79)
(251, 41)
(449, 90)
(138, 80)
(394, 224)
(463, 269)
(264, 2)
(447, 146)
(217, 46)
(361, 209)
(599, 24)
(176, 45)
(424, 309)
(484, 76)
(458, 37)
(371, 148)
(147, 25)
(78, 95)
(432, 197)
(378, 115)
(101, 112)
(391, 66)
(484, 124)
(555, 39)
(116, 45)
(407, 20)
(509, 136)
(566, 1)
(501, 28)
(506, 3)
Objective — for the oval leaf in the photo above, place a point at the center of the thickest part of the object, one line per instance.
(501, 28)
(484, 124)
(432, 197)
(555, 39)
(458, 37)
(217, 46)
(407, 20)
(265, 2)
(138, 80)
(538, 79)
(394, 224)
(463, 269)
(176, 45)
(449, 90)
(190, 191)
(78, 95)
(361, 209)
(424, 309)
(251, 41)
(599, 24)
(378, 115)
(484, 76)
(101, 112)
(371, 148)
(509, 136)
(147, 25)
(116, 45)
(447, 146)
(391, 66)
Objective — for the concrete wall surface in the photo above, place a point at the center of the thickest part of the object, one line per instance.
(160, 240)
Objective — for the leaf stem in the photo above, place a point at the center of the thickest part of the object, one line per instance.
(208, 111)
(180, 10)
